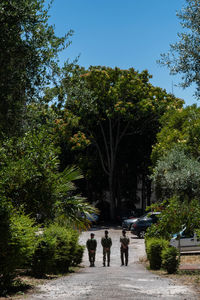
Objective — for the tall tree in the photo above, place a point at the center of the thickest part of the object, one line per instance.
(28, 57)
(112, 104)
(177, 174)
(180, 127)
(176, 154)
(184, 56)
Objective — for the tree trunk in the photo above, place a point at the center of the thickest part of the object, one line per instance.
(148, 192)
(112, 197)
(143, 193)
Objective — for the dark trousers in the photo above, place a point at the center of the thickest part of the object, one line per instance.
(91, 254)
(124, 254)
(106, 254)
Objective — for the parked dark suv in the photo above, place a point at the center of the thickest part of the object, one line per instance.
(140, 226)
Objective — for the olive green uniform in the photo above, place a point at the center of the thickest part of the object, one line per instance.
(91, 245)
(124, 249)
(106, 243)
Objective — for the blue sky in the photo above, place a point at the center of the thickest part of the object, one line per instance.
(122, 33)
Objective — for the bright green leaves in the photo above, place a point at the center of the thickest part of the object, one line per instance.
(103, 92)
(184, 56)
(181, 127)
(27, 174)
(176, 214)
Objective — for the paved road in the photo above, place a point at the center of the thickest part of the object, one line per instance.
(114, 282)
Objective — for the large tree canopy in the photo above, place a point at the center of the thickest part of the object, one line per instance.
(176, 154)
(112, 106)
(177, 174)
(184, 55)
(28, 57)
(30, 175)
(180, 127)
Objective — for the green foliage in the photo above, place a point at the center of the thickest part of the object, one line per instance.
(78, 255)
(57, 250)
(40, 116)
(113, 108)
(176, 213)
(176, 154)
(27, 172)
(197, 231)
(178, 127)
(157, 231)
(170, 260)
(28, 62)
(5, 270)
(30, 176)
(184, 56)
(177, 174)
(17, 245)
(154, 247)
(24, 231)
(68, 203)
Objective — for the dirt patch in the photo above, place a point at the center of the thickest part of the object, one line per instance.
(25, 283)
(186, 277)
(189, 278)
(190, 259)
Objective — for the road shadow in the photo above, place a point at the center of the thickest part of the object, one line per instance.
(134, 237)
(105, 226)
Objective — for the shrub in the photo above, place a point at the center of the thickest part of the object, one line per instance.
(78, 255)
(17, 243)
(154, 249)
(56, 251)
(157, 231)
(170, 260)
(23, 237)
(5, 269)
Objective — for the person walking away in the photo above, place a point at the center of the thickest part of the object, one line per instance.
(106, 243)
(124, 240)
(91, 245)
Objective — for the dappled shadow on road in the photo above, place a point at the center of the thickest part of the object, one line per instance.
(134, 237)
(104, 227)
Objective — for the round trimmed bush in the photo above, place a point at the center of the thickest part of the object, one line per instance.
(154, 249)
(170, 260)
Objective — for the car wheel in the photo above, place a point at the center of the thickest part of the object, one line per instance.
(141, 234)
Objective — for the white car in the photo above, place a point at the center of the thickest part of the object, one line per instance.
(188, 242)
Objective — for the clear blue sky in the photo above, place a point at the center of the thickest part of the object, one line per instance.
(122, 33)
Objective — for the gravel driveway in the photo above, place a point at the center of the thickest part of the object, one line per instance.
(114, 282)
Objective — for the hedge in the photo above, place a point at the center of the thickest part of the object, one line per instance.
(57, 250)
(154, 247)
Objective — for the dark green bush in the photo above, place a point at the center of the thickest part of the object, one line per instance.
(57, 250)
(170, 260)
(23, 238)
(78, 255)
(154, 249)
(5, 269)
(17, 243)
